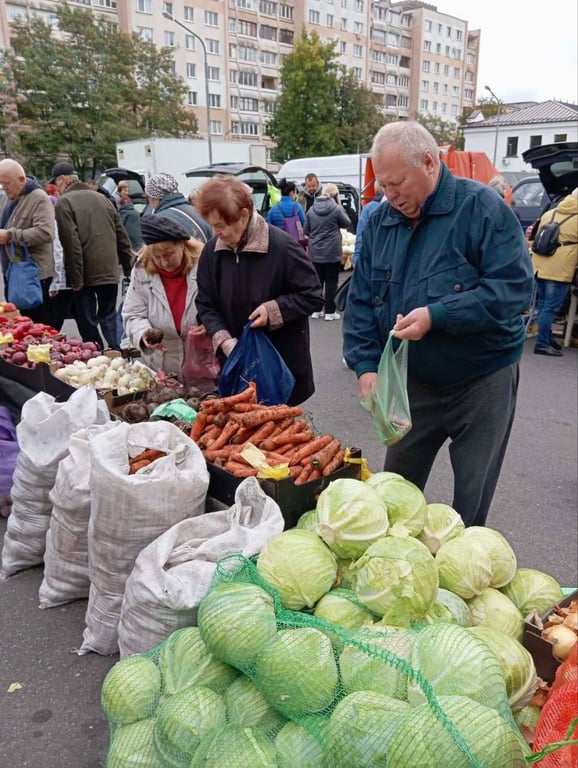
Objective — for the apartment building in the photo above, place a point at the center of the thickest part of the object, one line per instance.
(415, 57)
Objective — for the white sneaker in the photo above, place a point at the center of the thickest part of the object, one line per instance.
(333, 316)
(317, 315)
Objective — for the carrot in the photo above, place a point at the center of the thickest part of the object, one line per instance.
(248, 395)
(212, 454)
(245, 407)
(226, 434)
(320, 459)
(275, 458)
(220, 419)
(295, 471)
(334, 464)
(134, 468)
(199, 425)
(300, 425)
(236, 466)
(310, 448)
(208, 436)
(262, 433)
(303, 476)
(267, 414)
(150, 454)
(315, 475)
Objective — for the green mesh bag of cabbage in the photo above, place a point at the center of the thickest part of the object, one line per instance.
(257, 685)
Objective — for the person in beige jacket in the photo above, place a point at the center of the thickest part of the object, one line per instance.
(554, 274)
(27, 218)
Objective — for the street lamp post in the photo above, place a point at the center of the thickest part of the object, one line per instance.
(499, 103)
(168, 16)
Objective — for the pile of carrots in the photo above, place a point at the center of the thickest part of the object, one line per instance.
(225, 425)
(143, 459)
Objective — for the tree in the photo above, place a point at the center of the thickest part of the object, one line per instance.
(444, 132)
(358, 115)
(79, 93)
(305, 112)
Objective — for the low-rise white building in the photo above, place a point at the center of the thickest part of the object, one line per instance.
(505, 136)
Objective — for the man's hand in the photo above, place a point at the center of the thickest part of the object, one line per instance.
(259, 316)
(5, 237)
(366, 383)
(414, 325)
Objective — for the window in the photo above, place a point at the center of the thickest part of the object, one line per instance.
(392, 39)
(342, 47)
(427, 45)
(390, 100)
(192, 98)
(213, 46)
(286, 36)
(232, 51)
(434, 106)
(343, 25)
(378, 78)
(425, 85)
(248, 5)
(456, 90)
(268, 107)
(448, 31)
(269, 9)
(403, 101)
(535, 141)
(213, 73)
(358, 51)
(469, 78)
(425, 67)
(403, 81)
(358, 72)
(444, 108)
(286, 12)
(329, 20)
(446, 70)
(246, 53)
(191, 69)
(344, 3)
(248, 28)
(438, 48)
(215, 100)
(437, 68)
(439, 27)
(314, 17)
(248, 78)
(358, 27)
(447, 50)
(405, 42)
(249, 105)
(168, 8)
(144, 6)
(457, 72)
(512, 146)
(267, 33)
(436, 87)
(560, 137)
(189, 42)
(359, 6)
(268, 58)
(169, 39)
(445, 89)
(145, 33)
(459, 34)
(391, 79)
(101, 3)
(249, 129)
(233, 78)
(211, 19)
(392, 59)
(427, 25)
(468, 94)
(189, 13)
(216, 126)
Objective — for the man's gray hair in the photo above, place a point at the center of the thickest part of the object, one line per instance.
(411, 138)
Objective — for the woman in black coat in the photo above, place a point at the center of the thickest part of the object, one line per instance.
(252, 271)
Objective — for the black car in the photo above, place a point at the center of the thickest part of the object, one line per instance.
(259, 179)
(557, 167)
(111, 178)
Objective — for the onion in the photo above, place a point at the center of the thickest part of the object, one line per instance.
(571, 621)
(562, 639)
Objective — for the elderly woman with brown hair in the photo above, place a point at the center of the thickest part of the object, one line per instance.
(160, 302)
(250, 271)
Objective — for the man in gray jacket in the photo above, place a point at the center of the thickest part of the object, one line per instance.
(94, 243)
(27, 219)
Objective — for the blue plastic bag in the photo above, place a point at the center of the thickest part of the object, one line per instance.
(23, 281)
(254, 358)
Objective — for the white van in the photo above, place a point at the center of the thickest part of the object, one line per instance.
(347, 169)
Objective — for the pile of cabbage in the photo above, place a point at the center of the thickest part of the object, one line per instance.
(378, 632)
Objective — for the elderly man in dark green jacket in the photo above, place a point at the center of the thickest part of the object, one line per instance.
(444, 264)
(94, 243)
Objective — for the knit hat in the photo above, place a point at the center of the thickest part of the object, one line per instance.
(160, 185)
(162, 229)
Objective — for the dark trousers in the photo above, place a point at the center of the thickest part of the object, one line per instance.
(42, 313)
(94, 306)
(477, 417)
(62, 308)
(328, 273)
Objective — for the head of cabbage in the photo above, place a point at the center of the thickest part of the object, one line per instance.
(246, 706)
(442, 523)
(248, 747)
(406, 504)
(341, 607)
(131, 690)
(133, 745)
(501, 553)
(450, 608)
(464, 567)
(493, 609)
(299, 566)
(397, 579)
(533, 590)
(296, 746)
(350, 517)
(371, 662)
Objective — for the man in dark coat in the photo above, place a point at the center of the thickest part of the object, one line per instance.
(94, 243)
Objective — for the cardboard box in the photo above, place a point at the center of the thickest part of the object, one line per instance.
(293, 499)
(33, 378)
(540, 649)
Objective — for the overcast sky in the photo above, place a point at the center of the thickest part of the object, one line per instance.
(528, 51)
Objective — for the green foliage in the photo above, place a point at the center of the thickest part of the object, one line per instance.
(80, 91)
(444, 132)
(322, 109)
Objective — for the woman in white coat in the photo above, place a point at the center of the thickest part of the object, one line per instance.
(159, 305)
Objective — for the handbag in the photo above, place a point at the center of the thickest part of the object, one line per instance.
(254, 358)
(23, 280)
(341, 294)
(388, 401)
(292, 225)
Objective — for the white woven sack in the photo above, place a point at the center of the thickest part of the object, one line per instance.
(43, 435)
(129, 511)
(172, 575)
(66, 556)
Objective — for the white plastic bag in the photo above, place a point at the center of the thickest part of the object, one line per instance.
(129, 511)
(171, 576)
(43, 435)
(66, 556)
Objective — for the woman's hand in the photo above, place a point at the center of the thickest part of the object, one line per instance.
(227, 346)
(197, 330)
(259, 316)
(152, 338)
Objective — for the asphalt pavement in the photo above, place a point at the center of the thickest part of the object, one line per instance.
(50, 713)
